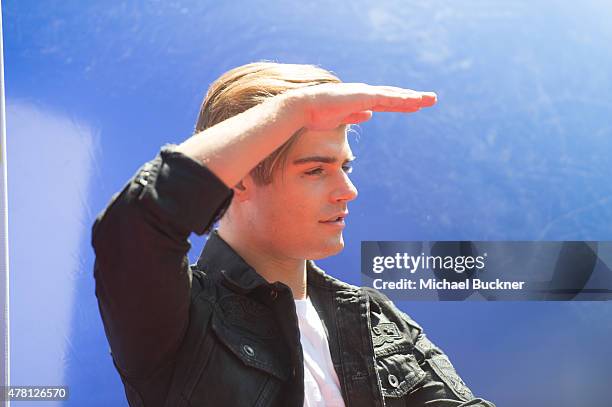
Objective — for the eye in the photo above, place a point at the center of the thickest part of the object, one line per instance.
(319, 170)
(316, 171)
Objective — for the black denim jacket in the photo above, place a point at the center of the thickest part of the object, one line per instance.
(217, 334)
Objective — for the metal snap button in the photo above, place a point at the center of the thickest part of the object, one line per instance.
(143, 178)
(273, 294)
(248, 350)
(393, 380)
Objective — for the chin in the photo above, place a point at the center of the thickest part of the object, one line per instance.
(331, 248)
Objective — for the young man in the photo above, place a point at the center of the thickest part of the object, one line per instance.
(255, 322)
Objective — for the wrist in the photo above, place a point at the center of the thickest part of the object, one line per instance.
(294, 103)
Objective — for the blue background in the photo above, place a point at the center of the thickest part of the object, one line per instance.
(518, 148)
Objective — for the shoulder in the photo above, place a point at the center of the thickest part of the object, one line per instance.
(382, 303)
(381, 307)
(204, 286)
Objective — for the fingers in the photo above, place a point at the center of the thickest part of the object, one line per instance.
(399, 109)
(394, 99)
(428, 99)
(360, 117)
(406, 92)
(403, 104)
(328, 105)
(403, 91)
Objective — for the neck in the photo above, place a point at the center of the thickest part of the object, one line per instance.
(291, 272)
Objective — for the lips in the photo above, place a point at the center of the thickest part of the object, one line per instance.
(339, 217)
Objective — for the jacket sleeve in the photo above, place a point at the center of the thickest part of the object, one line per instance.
(141, 270)
(440, 385)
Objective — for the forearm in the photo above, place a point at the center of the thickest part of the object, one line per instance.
(232, 148)
(141, 271)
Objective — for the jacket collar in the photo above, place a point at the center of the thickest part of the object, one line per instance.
(219, 257)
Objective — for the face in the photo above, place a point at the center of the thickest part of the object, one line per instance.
(302, 213)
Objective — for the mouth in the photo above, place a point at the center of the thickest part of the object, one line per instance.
(336, 220)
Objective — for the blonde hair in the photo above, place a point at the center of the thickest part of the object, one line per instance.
(248, 85)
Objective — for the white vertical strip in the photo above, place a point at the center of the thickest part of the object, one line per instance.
(4, 253)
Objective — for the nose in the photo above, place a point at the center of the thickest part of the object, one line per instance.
(346, 190)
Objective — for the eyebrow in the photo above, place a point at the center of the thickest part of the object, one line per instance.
(320, 159)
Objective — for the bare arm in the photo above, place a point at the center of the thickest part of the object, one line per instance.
(233, 147)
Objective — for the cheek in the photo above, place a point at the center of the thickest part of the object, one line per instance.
(281, 209)
(303, 204)
(271, 212)
(293, 211)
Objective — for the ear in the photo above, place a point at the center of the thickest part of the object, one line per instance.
(243, 190)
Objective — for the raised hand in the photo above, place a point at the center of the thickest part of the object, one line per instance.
(329, 105)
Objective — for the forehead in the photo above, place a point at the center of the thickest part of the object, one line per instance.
(324, 143)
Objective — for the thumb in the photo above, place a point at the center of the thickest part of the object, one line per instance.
(357, 117)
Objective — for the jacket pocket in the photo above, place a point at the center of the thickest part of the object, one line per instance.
(399, 372)
(263, 353)
(245, 367)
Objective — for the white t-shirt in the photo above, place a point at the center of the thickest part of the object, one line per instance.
(321, 385)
